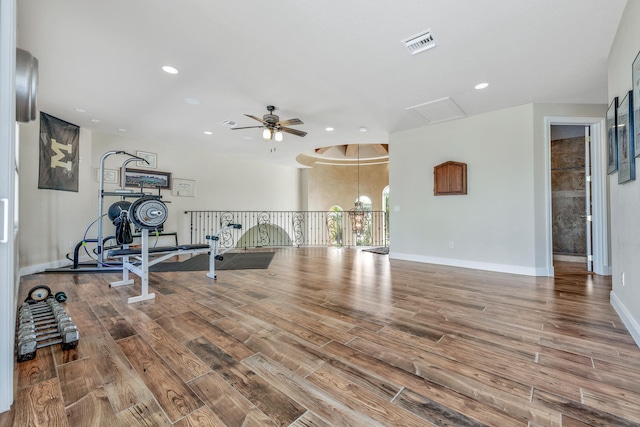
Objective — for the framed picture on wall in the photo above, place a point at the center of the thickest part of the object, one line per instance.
(111, 176)
(612, 137)
(626, 157)
(635, 73)
(184, 187)
(147, 179)
(151, 159)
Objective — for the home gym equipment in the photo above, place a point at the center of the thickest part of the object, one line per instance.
(146, 213)
(150, 213)
(159, 254)
(43, 322)
(117, 213)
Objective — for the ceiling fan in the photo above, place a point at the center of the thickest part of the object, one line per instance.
(273, 126)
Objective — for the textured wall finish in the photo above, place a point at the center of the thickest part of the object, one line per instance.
(331, 185)
(568, 196)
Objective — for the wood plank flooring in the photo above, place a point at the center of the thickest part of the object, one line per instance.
(335, 337)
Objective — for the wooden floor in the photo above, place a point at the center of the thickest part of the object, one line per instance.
(336, 337)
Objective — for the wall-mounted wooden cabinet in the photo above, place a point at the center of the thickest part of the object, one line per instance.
(450, 178)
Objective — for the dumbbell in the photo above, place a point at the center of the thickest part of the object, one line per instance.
(27, 347)
(70, 335)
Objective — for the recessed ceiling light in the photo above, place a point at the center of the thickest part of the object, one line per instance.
(481, 86)
(192, 101)
(80, 110)
(169, 69)
(122, 130)
(95, 120)
(208, 132)
(329, 129)
(363, 129)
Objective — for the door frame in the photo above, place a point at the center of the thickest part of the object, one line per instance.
(599, 191)
(8, 238)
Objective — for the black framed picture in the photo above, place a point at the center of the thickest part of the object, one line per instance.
(147, 179)
(626, 156)
(612, 137)
(635, 73)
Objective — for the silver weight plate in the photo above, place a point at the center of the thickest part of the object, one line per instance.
(148, 213)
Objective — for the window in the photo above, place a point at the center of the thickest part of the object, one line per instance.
(334, 225)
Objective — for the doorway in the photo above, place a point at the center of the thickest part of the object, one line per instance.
(571, 195)
(588, 202)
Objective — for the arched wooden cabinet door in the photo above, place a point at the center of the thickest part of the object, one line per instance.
(450, 178)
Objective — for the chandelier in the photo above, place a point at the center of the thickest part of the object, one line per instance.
(357, 213)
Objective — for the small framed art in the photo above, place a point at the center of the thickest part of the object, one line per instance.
(635, 72)
(612, 137)
(151, 160)
(184, 187)
(110, 176)
(626, 157)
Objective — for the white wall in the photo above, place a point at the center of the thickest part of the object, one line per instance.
(492, 227)
(500, 225)
(52, 219)
(625, 198)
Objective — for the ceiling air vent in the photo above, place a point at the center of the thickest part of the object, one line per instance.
(228, 123)
(420, 42)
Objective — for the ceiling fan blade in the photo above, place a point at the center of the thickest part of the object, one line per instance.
(256, 118)
(247, 127)
(290, 122)
(293, 131)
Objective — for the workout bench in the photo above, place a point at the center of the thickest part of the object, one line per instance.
(141, 267)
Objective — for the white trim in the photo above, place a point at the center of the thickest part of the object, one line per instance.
(8, 255)
(599, 190)
(39, 268)
(632, 326)
(476, 265)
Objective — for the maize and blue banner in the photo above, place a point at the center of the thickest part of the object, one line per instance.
(59, 154)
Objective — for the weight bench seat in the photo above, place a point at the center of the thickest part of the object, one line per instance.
(156, 250)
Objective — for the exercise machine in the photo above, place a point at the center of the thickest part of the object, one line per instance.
(149, 213)
(98, 264)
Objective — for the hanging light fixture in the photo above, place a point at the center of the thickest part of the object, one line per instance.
(279, 136)
(357, 213)
(266, 134)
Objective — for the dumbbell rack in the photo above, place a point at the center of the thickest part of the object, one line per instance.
(42, 324)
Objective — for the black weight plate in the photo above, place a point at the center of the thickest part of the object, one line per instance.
(116, 209)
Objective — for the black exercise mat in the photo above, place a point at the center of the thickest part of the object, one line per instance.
(231, 261)
(381, 251)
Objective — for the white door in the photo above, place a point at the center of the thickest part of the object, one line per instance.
(598, 226)
(588, 215)
(8, 195)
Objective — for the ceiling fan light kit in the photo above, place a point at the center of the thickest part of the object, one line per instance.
(273, 126)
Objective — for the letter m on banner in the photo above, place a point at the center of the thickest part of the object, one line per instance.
(59, 154)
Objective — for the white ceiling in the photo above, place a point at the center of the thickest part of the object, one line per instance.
(329, 63)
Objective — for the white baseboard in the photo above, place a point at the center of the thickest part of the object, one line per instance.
(500, 268)
(632, 325)
(39, 268)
